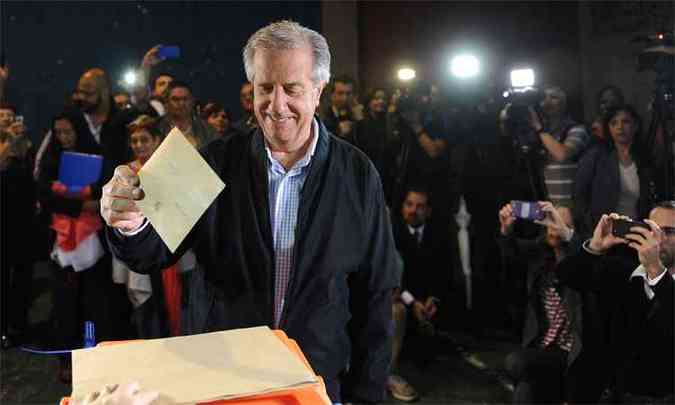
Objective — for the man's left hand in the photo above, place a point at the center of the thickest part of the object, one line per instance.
(647, 244)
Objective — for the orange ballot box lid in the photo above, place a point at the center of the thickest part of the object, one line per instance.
(200, 370)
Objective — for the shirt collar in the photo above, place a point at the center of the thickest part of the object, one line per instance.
(412, 229)
(642, 272)
(305, 159)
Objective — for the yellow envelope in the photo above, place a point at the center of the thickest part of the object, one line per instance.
(193, 369)
(179, 186)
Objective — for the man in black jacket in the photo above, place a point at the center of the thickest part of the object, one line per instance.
(299, 239)
(426, 277)
(641, 302)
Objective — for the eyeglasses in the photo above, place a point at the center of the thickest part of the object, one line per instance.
(668, 230)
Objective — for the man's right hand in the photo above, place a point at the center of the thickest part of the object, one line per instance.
(118, 207)
(603, 240)
(506, 219)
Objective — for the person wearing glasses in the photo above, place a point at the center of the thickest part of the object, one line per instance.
(640, 355)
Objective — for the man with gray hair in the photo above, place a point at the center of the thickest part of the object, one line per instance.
(299, 239)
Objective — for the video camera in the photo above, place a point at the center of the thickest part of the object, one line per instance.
(518, 106)
(520, 98)
(415, 98)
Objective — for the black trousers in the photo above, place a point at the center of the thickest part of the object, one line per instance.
(88, 295)
(538, 374)
(16, 296)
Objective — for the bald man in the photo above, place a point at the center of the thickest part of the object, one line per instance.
(107, 133)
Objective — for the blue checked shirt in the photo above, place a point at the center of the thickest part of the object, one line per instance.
(284, 199)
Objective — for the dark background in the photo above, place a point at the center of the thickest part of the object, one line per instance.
(580, 45)
(49, 44)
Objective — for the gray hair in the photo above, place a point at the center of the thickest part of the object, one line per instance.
(289, 35)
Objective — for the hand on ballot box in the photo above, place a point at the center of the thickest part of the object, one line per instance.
(127, 394)
(118, 206)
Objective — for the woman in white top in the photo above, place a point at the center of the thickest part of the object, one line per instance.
(615, 175)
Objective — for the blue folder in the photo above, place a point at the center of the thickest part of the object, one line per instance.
(78, 170)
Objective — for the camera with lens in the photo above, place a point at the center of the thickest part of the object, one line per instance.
(414, 106)
(517, 117)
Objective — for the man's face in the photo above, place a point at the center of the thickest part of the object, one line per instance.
(6, 118)
(87, 96)
(122, 101)
(285, 96)
(180, 103)
(342, 95)
(553, 103)
(608, 99)
(553, 237)
(665, 218)
(161, 85)
(246, 97)
(416, 209)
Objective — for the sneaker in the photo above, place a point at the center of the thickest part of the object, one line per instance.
(400, 389)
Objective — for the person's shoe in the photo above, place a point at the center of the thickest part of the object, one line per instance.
(400, 389)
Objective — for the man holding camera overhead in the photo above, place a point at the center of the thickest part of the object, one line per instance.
(639, 298)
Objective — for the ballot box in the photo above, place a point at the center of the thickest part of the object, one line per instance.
(307, 394)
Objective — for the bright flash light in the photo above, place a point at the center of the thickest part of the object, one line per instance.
(464, 66)
(406, 74)
(130, 78)
(522, 78)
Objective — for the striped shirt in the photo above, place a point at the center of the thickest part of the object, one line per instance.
(558, 331)
(559, 176)
(285, 187)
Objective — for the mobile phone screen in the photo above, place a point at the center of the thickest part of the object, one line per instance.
(169, 52)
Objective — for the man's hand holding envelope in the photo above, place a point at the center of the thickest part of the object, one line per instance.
(118, 206)
(172, 190)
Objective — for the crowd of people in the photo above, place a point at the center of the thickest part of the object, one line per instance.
(596, 309)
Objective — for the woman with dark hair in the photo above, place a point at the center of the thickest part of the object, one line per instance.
(79, 260)
(217, 117)
(615, 175)
(607, 98)
(372, 136)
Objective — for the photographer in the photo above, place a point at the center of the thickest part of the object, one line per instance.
(639, 297)
(552, 333)
(420, 125)
(558, 139)
(344, 111)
